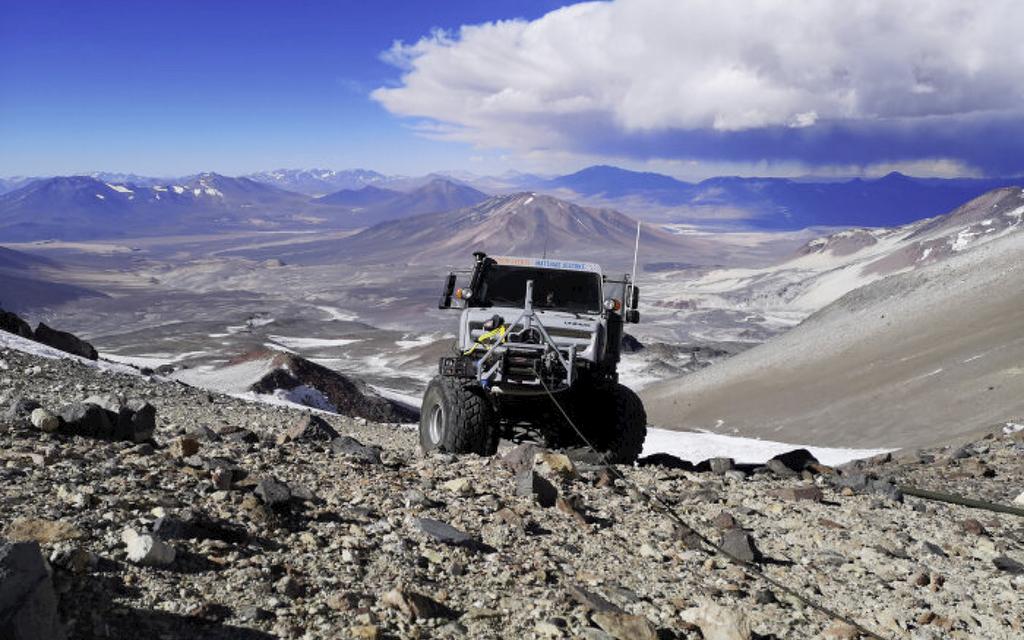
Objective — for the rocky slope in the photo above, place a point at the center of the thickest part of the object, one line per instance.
(241, 520)
(907, 360)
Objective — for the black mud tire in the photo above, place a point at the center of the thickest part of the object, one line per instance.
(457, 417)
(619, 430)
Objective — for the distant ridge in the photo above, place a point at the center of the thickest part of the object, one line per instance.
(521, 223)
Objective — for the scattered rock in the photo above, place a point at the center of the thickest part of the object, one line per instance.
(972, 526)
(365, 632)
(530, 484)
(720, 465)
(184, 446)
(521, 457)
(841, 631)
(717, 622)
(569, 505)
(624, 626)
(272, 492)
(64, 341)
(86, 419)
(28, 604)
(12, 323)
(192, 524)
(136, 421)
(309, 428)
(808, 492)
(41, 531)
(555, 464)
(590, 600)
(1008, 565)
(74, 559)
(44, 420)
(459, 486)
(19, 412)
(666, 460)
(441, 531)
(792, 462)
(740, 545)
(415, 606)
(290, 586)
(724, 520)
(349, 446)
(146, 550)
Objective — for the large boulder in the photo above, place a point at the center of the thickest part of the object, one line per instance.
(110, 417)
(87, 419)
(291, 374)
(19, 413)
(11, 323)
(308, 428)
(28, 604)
(65, 341)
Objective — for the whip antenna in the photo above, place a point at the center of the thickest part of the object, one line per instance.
(636, 253)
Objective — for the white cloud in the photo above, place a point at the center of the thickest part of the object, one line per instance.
(643, 67)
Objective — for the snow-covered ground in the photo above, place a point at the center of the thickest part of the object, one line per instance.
(695, 446)
(17, 343)
(151, 360)
(312, 343)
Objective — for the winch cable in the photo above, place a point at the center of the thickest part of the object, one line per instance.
(655, 502)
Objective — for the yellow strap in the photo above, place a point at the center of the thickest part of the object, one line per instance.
(499, 333)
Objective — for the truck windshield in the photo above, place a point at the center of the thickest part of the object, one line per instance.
(573, 291)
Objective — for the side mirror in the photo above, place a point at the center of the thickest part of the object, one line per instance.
(634, 298)
(446, 295)
(633, 316)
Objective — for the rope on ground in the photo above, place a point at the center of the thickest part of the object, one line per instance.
(655, 502)
(951, 498)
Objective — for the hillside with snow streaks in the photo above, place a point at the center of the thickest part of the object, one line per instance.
(775, 298)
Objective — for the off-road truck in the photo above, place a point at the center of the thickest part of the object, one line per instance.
(536, 337)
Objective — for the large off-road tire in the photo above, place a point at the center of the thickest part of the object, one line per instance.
(618, 424)
(457, 417)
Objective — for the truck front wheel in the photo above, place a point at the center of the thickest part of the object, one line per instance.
(457, 417)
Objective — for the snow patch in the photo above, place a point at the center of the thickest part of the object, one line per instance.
(335, 313)
(409, 400)
(312, 343)
(31, 347)
(695, 446)
(306, 396)
(152, 360)
(118, 188)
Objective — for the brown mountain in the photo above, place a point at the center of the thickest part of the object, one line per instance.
(519, 224)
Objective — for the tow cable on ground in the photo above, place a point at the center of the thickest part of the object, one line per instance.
(653, 501)
(938, 496)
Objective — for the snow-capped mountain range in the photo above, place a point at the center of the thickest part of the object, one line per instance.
(85, 207)
(722, 202)
(319, 182)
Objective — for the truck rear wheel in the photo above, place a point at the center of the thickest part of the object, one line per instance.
(457, 418)
(619, 425)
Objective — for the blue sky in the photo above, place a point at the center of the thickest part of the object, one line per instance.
(177, 87)
(692, 88)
